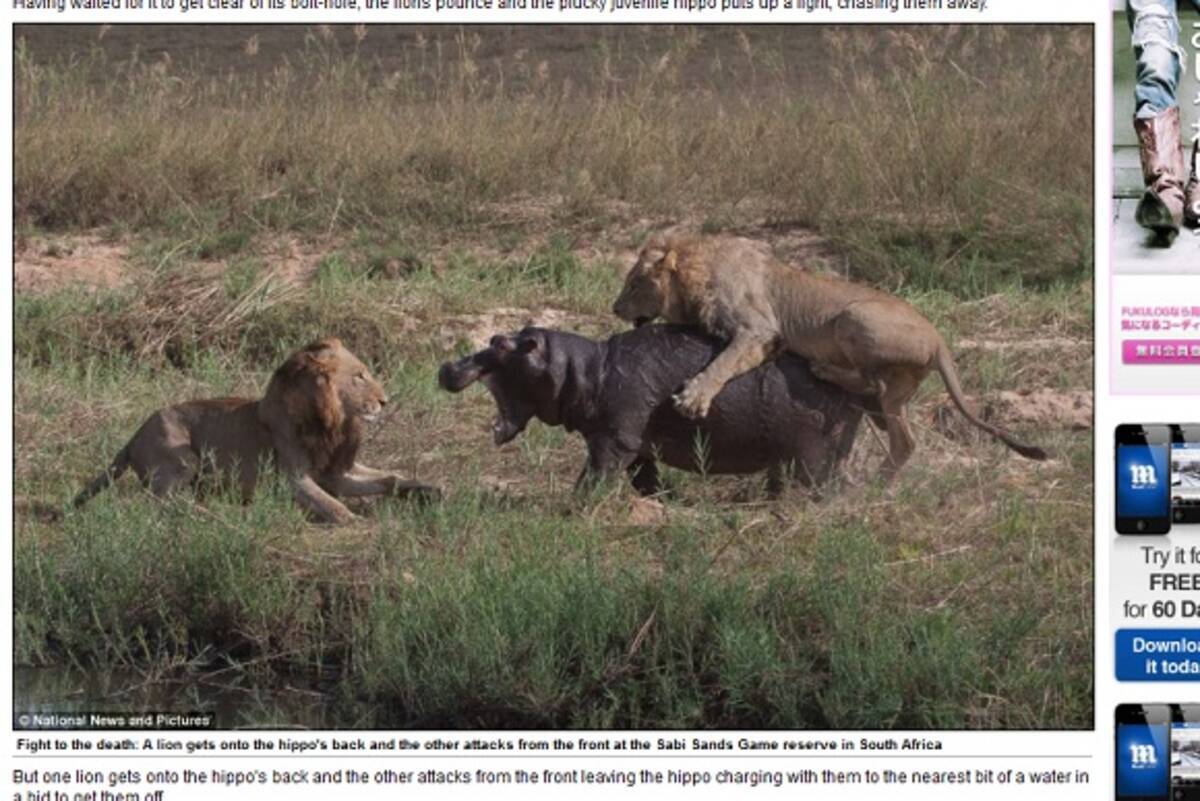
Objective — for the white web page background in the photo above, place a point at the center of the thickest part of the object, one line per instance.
(998, 754)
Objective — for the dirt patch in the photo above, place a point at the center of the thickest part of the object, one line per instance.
(647, 512)
(44, 264)
(294, 260)
(477, 329)
(1071, 409)
(1039, 409)
(517, 231)
(799, 247)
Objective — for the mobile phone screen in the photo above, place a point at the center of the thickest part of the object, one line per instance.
(1185, 472)
(1143, 476)
(1143, 761)
(1185, 761)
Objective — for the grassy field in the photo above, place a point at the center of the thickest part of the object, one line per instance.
(413, 191)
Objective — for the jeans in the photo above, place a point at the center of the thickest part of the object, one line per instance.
(1155, 26)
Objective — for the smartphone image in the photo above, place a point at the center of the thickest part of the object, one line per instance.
(1185, 752)
(1143, 477)
(1185, 473)
(1143, 757)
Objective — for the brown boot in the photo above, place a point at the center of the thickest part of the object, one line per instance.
(1161, 208)
(1191, 194)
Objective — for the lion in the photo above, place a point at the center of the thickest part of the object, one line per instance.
(310, 423)
(864, 340)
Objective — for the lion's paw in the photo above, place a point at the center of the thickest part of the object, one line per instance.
(692, 402)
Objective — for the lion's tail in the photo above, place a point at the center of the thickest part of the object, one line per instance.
(945, 367)
(120, 464)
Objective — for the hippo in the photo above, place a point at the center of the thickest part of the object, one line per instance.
(617, 394)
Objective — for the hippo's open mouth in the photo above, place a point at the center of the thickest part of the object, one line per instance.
(511, 415)
(510, 419)
(638, 322)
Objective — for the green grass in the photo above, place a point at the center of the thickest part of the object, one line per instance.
(523, 606)
(504, 614)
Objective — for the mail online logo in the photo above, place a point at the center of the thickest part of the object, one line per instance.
(1142, 488)
(1142, 755)
(1142, 476)
(1142, 766)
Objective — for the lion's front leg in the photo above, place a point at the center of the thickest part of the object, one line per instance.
(361, 481)
(744, 352)
(311, 496)
(319, 503)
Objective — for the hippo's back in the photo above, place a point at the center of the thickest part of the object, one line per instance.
(778, 412)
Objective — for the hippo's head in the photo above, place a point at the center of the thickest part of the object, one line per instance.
(521, 375)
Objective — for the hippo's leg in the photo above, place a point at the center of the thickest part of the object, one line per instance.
(779, 473)
(775, 480)
(605, 460)
(643, 474)
(847, 435)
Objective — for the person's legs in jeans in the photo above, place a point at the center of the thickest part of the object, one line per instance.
(1191, 193)
(1155, 26)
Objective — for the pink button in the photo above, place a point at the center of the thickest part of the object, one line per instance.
(1160, 351)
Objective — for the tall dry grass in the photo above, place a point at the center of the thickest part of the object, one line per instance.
(934, 149)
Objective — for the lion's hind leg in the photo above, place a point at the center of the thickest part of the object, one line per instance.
(898, 390)
(893, 352)
(171, 468)
(847, 378)
(163, 456)
(893, 395)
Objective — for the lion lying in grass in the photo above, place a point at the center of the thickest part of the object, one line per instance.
(863, 340)
(310, 422)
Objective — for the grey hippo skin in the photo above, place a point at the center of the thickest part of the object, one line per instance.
(617, 394)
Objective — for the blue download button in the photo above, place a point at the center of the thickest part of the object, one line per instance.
(1158, 655)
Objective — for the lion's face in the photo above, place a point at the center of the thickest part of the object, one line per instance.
(323, 386)
(647, 290)
(361, 395)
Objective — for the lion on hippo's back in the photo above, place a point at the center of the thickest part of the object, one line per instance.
(866, 341)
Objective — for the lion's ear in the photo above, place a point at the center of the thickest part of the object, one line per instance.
(329, 345)
(669, 261)
(321, 353)
(321, 359)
